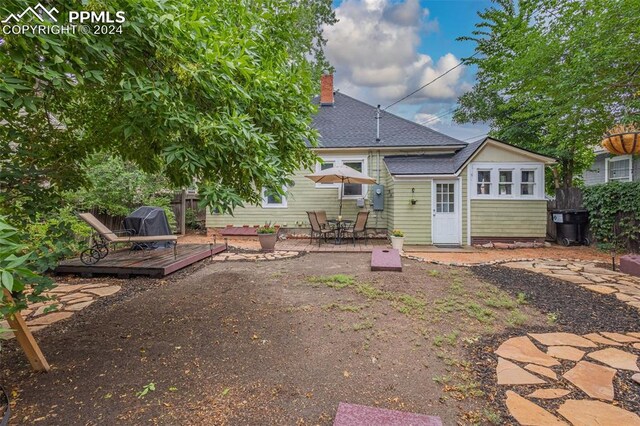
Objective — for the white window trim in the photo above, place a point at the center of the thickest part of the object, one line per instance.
(512, 183)
(535, 183)
(516, 176)
(319, 169)
(614, 159)
(267, 205)
(338, 160)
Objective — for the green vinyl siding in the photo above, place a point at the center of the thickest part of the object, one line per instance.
(304, 196)
(414, 220)
(509, 218)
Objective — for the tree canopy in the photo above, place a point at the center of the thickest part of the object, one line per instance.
(554, 75)
(213, 91)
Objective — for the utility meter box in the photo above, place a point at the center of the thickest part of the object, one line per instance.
(360, 202)
(378, 197)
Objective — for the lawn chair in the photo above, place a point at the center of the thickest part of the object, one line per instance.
(317, 230)
(359, 227)
(103, 238)
(322, 219)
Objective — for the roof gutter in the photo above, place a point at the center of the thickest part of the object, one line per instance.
(391, 148)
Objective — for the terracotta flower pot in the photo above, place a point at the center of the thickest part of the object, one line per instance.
(268, 241)
(622, 140)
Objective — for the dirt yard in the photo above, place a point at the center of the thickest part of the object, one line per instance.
(278, 342)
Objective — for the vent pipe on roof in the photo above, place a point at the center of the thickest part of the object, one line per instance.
(378, 123)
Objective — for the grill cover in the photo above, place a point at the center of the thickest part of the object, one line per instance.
(149, 221)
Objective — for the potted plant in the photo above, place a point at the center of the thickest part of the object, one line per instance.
(268, 236)
(397, 239)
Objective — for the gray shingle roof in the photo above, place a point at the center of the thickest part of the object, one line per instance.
(443, 164)
(350, 123)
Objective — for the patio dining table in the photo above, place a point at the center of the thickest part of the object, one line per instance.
(339, 226)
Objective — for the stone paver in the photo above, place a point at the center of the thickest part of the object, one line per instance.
(79, 306)
(602, 289)
(586, 412)
(510, 374)
(565, 352)
(551, 393)
(543, 371)
(621, 338)
(528, 413)
(586, 274)
(568, 339)
(68, 299)
(103, 291)
(636, 378)
(50, 318)
(276, 255)
(593, 379)
(595, 337)
(616, 358)
(523, 350)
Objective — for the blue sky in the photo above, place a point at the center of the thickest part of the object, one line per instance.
(384, 49)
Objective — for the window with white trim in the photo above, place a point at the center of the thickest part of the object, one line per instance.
(528, 183)
(327, 164)
(484, 182)
(350, 190)
(353, 189)
(273, 200)
(507, 180)
(505, 186)
(619, 168)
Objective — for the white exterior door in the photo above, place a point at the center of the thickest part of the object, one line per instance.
(445, 224)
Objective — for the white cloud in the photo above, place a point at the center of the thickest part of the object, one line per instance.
(374, 48)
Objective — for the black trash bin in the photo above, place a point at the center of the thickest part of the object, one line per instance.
(571, 226)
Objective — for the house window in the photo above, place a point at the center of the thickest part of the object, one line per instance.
(484, 182)
(353, 189)
(619, 168)
(324, 166)
(505, 186)
(273, 200)
(528, 183)
(507, 180)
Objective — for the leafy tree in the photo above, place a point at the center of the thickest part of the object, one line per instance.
(554, 75)
(116, 187)
(213, 91)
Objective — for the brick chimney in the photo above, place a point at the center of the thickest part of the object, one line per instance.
(326, 90)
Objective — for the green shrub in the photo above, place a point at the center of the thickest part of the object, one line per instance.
(614, 215)
(17, 276)
(54, 237)
(191, 219)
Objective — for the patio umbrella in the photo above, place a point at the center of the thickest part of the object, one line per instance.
(340, 174)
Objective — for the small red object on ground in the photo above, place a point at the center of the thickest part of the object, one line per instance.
(361, 415)
(384, 259)
(630, 264)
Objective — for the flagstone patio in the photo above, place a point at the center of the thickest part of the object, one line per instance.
(583, 392)
(68, 299)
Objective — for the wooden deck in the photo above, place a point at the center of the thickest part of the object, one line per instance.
(154, 263)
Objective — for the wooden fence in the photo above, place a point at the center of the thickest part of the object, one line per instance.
(570, 198)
